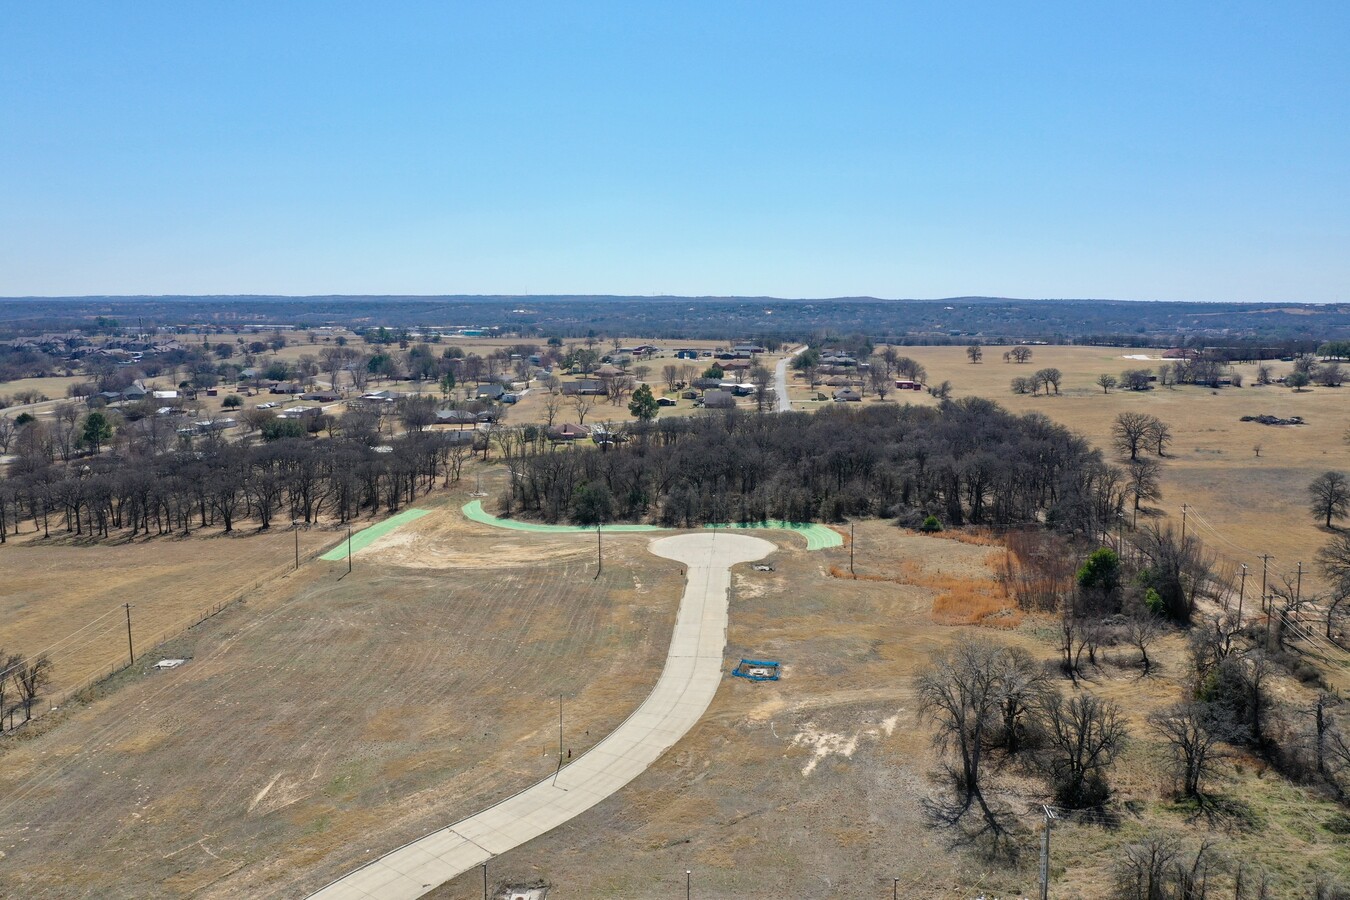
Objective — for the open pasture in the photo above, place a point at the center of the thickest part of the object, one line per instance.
(66, 593)
(1245, 504)
(333, 717)
(811, 786)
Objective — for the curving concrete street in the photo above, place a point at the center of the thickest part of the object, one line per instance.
(687, 684)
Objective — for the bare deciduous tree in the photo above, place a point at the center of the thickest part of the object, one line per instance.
(29, 678)
(583, 404)
(1083, 736)
(960, 695)
(1140, 632)
(552, 404)
(1129, 433)
(1191, 743)
(1329, 496)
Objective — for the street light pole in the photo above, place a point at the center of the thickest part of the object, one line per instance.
(850, 550)
(599, 560)
(688, 882)
(295, 526)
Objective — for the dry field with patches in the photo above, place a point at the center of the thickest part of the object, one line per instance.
(54, 590)
(1246, 505)
(810, 787)
(329, 719)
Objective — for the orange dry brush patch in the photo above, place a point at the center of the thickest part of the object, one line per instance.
(960, 601)
(967, 601)
(980, 537)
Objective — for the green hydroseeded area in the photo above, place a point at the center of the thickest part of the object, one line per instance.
(818, 537)
(367, 536)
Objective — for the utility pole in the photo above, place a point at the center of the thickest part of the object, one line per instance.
(1298, 586)
(295, 526)
(1265, 558)
(560, 730)
(1270, 614)
(485, 896)
(1183, 523)
(1045, 853)
(131, 651)
(1242, 589)
(349, 549)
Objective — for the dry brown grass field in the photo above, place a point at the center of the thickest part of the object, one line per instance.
(811, 787)
(326, 720)
(53, 589)
(329, 719)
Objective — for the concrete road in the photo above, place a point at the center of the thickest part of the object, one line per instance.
(780, 383)
(687, 684)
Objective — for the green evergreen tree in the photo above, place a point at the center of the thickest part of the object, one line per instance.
(643, 406)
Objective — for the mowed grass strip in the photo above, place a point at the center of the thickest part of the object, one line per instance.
(367, 536)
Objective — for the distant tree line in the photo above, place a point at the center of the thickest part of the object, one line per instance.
(965, 461)
(224, 485)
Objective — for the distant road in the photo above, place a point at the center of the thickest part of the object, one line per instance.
(687, 684)
(780, 379)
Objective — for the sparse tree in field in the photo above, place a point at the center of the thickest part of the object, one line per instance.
(1106, 382)
(910, 369)
(1166, 374)
(1130, 432)
(232, 401)
(1263, 374)
(1050, 377)
(1135, 379)
(1021, 684)
(1140, 631)
(1330, 375)
(762, 379)
(975, 352)
(880, 380)
(1020, 354)
(29, 678)
(1083, 737)
(1159, 436)
(643, 406)
(1191, 743)
(583, 404)
(1023, 385)
(960, 695)
(552, 404)
(7, 430)
(1143, 481)
(1297, 380)
(619, 389)
(9, 664)
(1333, 561)
(1329, 496)
(671, 373)
(942, 391)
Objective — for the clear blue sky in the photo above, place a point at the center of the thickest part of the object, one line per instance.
(1135, 150)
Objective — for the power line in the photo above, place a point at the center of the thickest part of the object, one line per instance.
(52, 647)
